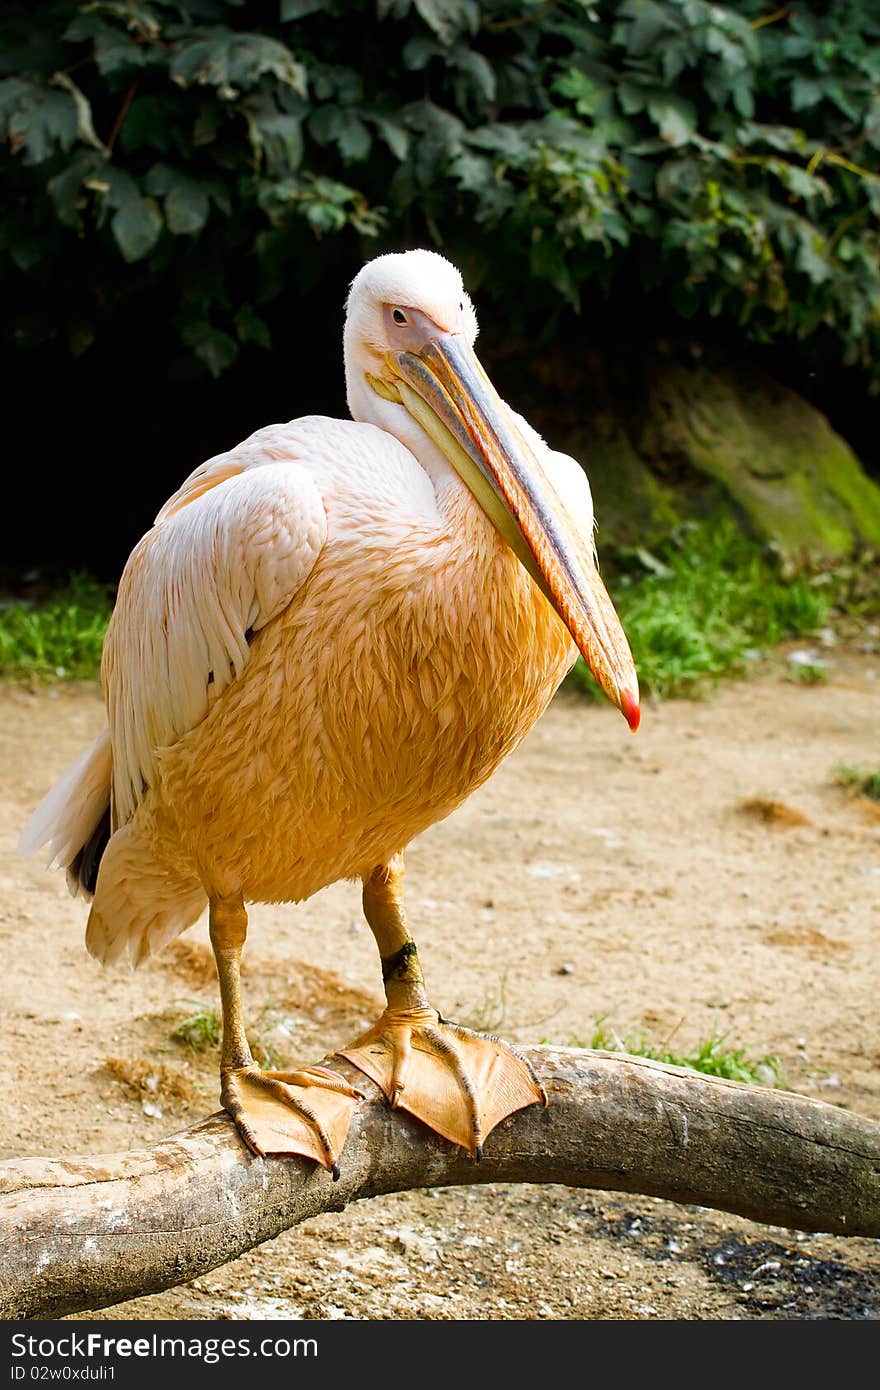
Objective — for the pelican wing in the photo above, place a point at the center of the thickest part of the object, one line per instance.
(219, 565)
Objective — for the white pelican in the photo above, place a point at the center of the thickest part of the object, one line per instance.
(333, 634)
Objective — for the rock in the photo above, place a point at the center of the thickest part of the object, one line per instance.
(774, 455)
(679, 437)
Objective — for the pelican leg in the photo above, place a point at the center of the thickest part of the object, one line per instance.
(300, 1112)
(460, 1083)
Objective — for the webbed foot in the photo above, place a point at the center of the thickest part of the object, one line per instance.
(299, 1112)
(460, 1083)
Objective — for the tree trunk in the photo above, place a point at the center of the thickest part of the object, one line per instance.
(82, 1234)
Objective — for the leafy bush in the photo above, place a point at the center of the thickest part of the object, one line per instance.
(204, 159)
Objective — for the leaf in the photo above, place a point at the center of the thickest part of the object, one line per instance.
(215, 349)
(325, 124)
(632, 97)
(186, 203)
(114, 50)
(14, 91)
(580, 89)
(117, 53)
(473, 172)
(300, 9)
(513, 142)
(478, 70)
(438, 139)
(448, 18)
(354, 139)
(675, 117)
(136, 227)
(186, 209)
(66, 188)
(232, 61)
(799, 182)
(419, 52)
(282, 141)
(393, 132)
(741, 92)
(84, 128)
(648, 22)
(340, 126)
(805, 92)
(43, 125)
(251, 328)
(809, 256)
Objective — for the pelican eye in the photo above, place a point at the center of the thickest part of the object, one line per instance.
(398, 315)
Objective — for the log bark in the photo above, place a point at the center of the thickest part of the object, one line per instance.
(86, 1233)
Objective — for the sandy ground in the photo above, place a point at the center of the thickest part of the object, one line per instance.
(596, 874)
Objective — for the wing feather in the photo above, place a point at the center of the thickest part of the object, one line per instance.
(220, 564)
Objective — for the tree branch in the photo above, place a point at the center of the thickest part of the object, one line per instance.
(81, 1234)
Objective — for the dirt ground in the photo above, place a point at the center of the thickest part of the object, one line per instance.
(596, 874)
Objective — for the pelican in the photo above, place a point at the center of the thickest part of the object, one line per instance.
(330, 637)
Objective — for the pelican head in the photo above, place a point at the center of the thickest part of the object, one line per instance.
(409, 341)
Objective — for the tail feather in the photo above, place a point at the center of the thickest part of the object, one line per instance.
(139, 905)
(82, 872)
(70, 817)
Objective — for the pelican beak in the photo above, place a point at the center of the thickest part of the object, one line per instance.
(445, 388)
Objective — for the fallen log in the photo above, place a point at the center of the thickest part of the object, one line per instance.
(85, 1233)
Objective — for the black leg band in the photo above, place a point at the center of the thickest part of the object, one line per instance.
(398, 964)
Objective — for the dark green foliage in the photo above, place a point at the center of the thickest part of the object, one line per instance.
(201, 160)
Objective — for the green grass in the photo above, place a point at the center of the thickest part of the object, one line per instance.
(59, 636)
(200, 1031)
(712, 1057)
(808, 673)
(861, 782)
(705, 605)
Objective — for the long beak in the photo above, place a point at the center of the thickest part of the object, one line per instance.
(445, 388)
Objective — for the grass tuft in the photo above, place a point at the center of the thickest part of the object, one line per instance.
(711, 1057)
(58, 637)
(808, 673)
(200, 1031)
(858, 781)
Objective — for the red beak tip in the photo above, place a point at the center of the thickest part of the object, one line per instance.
(629, 706)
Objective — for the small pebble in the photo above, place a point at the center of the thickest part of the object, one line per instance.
(805, 657)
